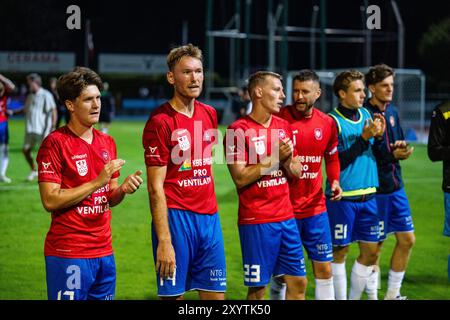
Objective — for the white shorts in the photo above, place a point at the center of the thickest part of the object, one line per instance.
(31, 140)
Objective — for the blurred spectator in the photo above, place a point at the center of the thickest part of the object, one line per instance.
(241, 104)
(60, 107)
(246, 107)
(108, 108)
(40, 119)
(144, 92)
(6, 87)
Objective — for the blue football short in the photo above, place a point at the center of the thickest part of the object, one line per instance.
(447, 214)
(80, 279)
(199, 253)
(4, 136)
(316, 237)
(271, 249)
(394, 213)
(353, 221)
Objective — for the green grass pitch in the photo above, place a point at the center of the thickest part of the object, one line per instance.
(24, 224)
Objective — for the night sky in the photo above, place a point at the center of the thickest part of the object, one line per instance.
(154, 27)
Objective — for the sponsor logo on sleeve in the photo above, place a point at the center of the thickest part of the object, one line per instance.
(153, 152)
(46, 166)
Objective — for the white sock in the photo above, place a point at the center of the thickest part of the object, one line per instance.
(277, 289)
(358, 280)
(372, 284)
(339, 280)
(3, 159)
(394, 284)
(324, 289)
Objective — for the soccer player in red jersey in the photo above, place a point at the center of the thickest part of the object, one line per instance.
(78, 183)
(6, 86)
(315, 139)
(178, 138)
(260, 155)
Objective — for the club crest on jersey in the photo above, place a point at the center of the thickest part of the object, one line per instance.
(392, 121)
(152, 149)
(318, 133)
(260, 146)
(281, 134)
(82, 167)
(184, 143)
(105, 156)
(46, 165)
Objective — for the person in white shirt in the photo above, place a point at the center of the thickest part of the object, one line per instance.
(40, 119)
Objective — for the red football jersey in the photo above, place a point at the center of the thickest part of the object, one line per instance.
(315, 138)
(184, 145)
(83, 230)
(3, 108)
(265, 200)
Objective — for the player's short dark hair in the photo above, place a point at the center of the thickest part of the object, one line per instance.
(343, 80)
(70, 85)
(35, 78)
(177, 53)
(378, 73)
(260, 77)
(306, 75)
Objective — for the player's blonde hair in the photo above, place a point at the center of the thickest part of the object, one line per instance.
(177, 53)
(258, 78)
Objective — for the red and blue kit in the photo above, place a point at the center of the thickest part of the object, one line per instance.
(266, 200)
(315, 138)
(3, 108)
(184, 145)
(4, 138)
(83, 230)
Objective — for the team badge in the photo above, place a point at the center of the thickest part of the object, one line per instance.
(46, 165)
(392, 121)
(318, 133)
(82, 167)
(281, 134)
(105, 156)
(260, 147)
(184, 143)
(152, 149)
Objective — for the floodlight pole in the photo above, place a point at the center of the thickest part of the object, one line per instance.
(312, 35)
(323, 26)
(401, 35)
(284, 54)
(237, 52)
(248, 8)
(210, 46)
(368, 36)
(271, 36)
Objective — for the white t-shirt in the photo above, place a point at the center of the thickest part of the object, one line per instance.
(38, 112)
